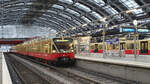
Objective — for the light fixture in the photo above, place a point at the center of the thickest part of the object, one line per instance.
(135, 22)
(64, 31)
(89, 32)
(129, 11)
(84, 25)
(73, 28)
(103, 19)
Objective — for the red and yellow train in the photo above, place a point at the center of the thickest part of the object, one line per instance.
(127, 46)
(57, 51)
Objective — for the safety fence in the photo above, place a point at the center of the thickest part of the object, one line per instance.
(115, 53)
(108, 53)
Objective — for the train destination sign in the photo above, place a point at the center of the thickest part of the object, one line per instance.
(62, 40)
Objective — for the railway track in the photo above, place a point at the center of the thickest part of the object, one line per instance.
(23, 74)
(77, 75)
(100, 78)
(48, 73)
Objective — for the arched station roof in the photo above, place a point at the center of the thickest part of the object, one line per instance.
(73, 17)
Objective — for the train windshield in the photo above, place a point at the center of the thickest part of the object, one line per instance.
(63, 45)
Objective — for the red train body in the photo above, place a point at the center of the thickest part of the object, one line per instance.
(51, 51)
(126, 46)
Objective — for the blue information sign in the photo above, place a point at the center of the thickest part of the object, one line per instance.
(112, 41)
(133, 30)
(143, 30)
(128, 30)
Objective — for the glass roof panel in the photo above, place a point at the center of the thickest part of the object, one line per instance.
(69, 24)
(104, 6)
(85, 19)
(131, 4)
(53, 21)
(58, 6)
(82, 7)
(67, 1)
(98, 2)
(46, 20)
(58, 19)
(72, 12)
(96, 15)
(20, 4)
(20, 9)
(43, 18)
(65, 16)
(52, 11)
(110, 10)
(52, 16)
(77, 22)
(30, 3)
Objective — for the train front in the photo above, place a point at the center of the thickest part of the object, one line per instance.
(64, 51)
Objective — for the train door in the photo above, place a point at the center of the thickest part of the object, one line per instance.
(96, 48)
(144, 47)
(122, 46)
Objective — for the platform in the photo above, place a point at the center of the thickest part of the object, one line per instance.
(142, 61)
(4, 73)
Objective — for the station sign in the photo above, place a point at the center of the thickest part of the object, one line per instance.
(127, 29)
(113, 41)
(124, 29)
(143, 30)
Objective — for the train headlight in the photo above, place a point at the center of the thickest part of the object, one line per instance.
(72, 50)
(54, 51)
(70, 45)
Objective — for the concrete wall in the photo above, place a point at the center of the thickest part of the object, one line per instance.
(130, 73)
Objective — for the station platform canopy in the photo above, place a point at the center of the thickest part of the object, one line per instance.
(75, 17)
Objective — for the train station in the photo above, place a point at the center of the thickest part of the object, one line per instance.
(74, 42)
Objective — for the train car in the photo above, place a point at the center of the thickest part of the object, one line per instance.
(56, 51)
(112, 46)
(98, 47)
(127, 46)
(143, 46)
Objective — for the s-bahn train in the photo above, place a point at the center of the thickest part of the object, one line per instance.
(56, 51)
(127, 46)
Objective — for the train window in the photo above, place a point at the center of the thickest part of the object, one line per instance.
(108, 47)
(46, 50)
(96, 45)
(146, 47)
(149, 46)
(100, 46)
(50, 48)
(53, 49)
(92, 47)
(114, 46)
(130, 46)
(122, 46)
(142, 46)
